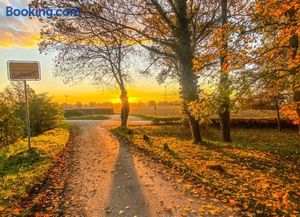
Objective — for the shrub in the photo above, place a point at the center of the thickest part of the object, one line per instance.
(44, 114)
(255, 122)
(11, 126)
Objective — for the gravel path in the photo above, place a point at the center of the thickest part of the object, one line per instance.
(107, 179)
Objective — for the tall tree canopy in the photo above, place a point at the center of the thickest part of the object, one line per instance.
(88, 47)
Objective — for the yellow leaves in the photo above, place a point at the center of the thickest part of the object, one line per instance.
(253, 182)
(263, 185)
(1, 208)
(275, 195)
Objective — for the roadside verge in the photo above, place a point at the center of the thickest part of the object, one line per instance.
(26, 173)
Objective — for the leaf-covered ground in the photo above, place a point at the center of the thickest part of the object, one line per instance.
(258, 173)
(21, 169)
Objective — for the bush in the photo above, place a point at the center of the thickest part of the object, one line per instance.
(11, 126)
(255, 122)
(44, 114)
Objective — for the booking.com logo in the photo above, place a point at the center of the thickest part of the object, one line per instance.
(47, 12)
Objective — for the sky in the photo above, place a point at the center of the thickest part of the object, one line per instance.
(18, 41)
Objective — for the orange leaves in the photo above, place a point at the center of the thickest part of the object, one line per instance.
(274, 8)
(199, 62)
(233, 202)
(16, 211)
(289, 110)
(294, 63)
(246, 179)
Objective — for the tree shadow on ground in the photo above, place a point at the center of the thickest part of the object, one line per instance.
(126, 195)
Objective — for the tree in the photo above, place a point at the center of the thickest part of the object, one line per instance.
(152, 103)
(174, 32)
(92, 104)
(269, 93)
(88, 47)
(224, 56)
(204, 109)
(276, 23)
(11, 126)
(224, 86)
(12, 112)
(78, 104)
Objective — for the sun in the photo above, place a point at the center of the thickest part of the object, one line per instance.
(130, 99)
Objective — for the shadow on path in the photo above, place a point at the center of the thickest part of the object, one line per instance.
(125, 193)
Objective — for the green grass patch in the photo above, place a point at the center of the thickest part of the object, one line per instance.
(22, 169)
(88, 117)
(145, 117)
(258, 172)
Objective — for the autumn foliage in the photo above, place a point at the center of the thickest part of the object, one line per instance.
(258, 174)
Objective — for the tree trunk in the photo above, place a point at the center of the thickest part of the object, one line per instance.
(296, 98)
(278, 114)
(193, 123)
(185, 55)
(6, 135)
(189, 92)
(195, 128)
(224, 110)
(125, 108)
(225, 123)
(294, 44)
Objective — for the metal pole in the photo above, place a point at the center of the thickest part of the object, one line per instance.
(27, 115)
(66, 101)
(165, 101)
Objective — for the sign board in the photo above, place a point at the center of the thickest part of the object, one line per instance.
(23, 70)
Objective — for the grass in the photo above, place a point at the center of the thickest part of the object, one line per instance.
(88, 117)
(145, 117)
(258, 172)
(22, 169)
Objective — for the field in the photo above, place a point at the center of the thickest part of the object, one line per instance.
(161, 110)
(259, 172)
(175, 111)
(88, 117)
(22, 169)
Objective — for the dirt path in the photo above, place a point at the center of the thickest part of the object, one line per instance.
(109, 180)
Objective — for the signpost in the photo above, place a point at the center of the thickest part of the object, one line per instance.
(24, 71)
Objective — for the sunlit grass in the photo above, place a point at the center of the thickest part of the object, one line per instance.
(21, 169)
(258, 171)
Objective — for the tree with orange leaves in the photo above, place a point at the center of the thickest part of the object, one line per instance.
(277, 24)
